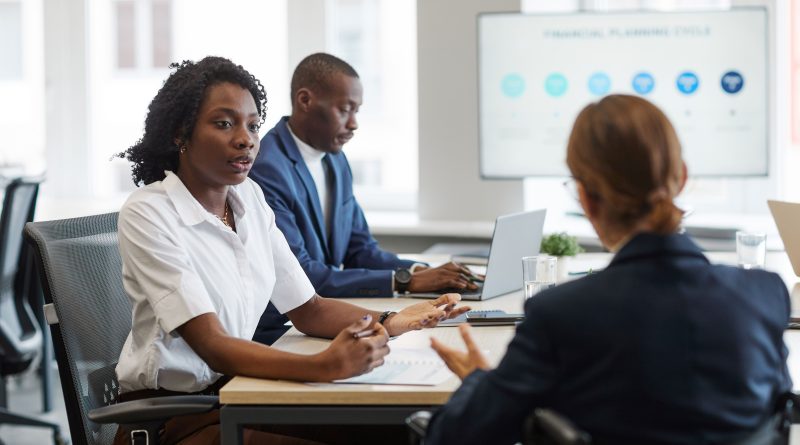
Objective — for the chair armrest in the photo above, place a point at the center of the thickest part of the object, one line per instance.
(155, 409)
(546, 423)
(793, 407)
(418, 425)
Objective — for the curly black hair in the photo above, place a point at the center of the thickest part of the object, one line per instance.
(172, 114)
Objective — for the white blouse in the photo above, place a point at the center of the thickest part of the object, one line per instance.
(179, 261)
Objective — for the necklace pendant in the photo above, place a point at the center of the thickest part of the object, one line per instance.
(224, 217)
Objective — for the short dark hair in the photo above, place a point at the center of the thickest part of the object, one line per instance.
(315, 72)
(173, 113)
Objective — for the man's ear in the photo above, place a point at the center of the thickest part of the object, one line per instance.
(303, 99)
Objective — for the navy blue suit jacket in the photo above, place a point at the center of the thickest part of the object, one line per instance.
(660, 347)
(349, 263)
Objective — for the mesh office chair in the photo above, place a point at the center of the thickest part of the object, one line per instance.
(547, 427)
(20, 336)
(90, 317)
(542, 427)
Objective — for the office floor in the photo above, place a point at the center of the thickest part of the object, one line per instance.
(25, 396)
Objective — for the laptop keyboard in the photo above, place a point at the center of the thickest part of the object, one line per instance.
(463, 291)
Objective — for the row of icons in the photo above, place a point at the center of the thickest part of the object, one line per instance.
(599, 83)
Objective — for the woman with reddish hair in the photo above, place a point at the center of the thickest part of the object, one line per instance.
(659, 347)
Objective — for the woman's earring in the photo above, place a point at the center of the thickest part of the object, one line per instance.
(182, 149)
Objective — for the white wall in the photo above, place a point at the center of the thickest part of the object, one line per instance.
(65, 86)
(449, 183)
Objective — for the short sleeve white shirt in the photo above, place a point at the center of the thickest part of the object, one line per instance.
(179, 261)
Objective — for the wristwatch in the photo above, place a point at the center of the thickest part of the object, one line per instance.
(385, 315)
(402, 277)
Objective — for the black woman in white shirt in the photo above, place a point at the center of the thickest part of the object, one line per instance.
(202, 257)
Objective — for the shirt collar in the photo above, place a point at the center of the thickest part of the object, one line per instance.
(189, 209)
(647, 244)
(309, 153)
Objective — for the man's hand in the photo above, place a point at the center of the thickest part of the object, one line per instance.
(462, 363)
(426, 314)
(450, 275)
(358, 349)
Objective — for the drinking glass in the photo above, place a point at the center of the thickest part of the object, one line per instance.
(538, 274)
(751, 249)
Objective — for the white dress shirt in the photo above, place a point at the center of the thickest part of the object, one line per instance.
(180, 261)
(313, 160)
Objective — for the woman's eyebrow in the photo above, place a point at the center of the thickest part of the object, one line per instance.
(230, 111)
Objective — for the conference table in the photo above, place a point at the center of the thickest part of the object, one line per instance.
(249, 401)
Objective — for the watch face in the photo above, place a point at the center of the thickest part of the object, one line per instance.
(402, 276)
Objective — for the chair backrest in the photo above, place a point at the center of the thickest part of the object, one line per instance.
(547, 427)
(20, 337)
(88, 311)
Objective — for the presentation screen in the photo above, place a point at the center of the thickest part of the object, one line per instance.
(706, 70)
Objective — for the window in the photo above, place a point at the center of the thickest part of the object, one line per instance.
(127, 64)
(10, 41)
(795, 70)
(377, 37)
(22, 121)
(143, 33)
(162, 33)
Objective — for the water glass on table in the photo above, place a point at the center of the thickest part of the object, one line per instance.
(538, 274)
(751, 249)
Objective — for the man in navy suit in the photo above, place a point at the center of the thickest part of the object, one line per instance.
(307, 181)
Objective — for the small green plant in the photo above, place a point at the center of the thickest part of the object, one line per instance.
(560, 244)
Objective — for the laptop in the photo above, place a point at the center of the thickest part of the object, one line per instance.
(515, 236)
(787, 218)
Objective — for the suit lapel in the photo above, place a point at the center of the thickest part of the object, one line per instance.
(308, 182)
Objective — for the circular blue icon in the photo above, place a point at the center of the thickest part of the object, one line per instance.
(732, 82)
(687, 82)
(555, 84)
(513, 85)
(643, 83)
(599, 83)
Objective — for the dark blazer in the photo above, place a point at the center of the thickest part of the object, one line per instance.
(660, 347)
(350, 263)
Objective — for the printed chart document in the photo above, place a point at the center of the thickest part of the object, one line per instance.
(406, 366)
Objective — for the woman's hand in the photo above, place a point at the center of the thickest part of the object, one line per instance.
(426, 314)
(462, 363)
(357, 349)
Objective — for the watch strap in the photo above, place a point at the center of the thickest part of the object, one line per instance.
(385, 315)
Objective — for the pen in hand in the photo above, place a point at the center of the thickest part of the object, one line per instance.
(362, 334)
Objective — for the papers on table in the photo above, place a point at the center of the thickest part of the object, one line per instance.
(406, 366)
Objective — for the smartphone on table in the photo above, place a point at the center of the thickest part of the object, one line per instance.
(493, 318)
